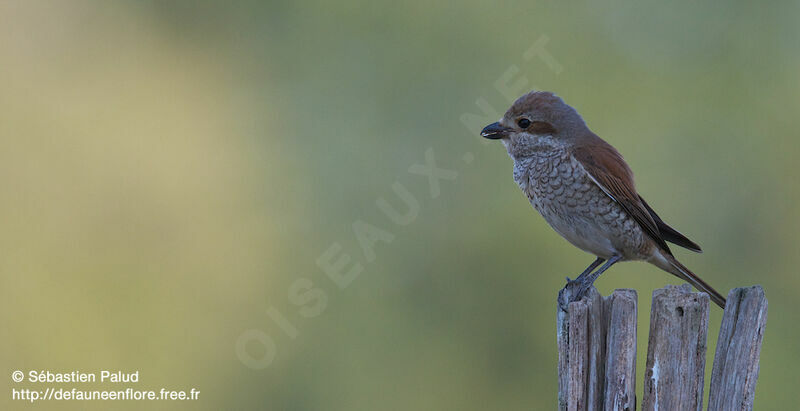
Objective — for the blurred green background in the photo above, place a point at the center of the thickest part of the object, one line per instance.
(170, 170)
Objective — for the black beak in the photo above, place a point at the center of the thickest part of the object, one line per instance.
(494, 131)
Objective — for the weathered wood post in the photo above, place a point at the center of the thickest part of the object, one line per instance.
(620, 378)
(676, 352)
(597, 351)
(735, 370)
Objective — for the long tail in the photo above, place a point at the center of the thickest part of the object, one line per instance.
(671, 265)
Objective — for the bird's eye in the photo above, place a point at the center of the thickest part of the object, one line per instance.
(523, 123)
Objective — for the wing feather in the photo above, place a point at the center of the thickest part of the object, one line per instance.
(608, 170)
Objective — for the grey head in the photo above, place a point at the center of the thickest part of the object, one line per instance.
(536, 122)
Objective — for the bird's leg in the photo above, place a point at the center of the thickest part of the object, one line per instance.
(575, 290)
(588, 269)
(566, 295)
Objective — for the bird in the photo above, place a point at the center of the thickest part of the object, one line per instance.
(585, 191)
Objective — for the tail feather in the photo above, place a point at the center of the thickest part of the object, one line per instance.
(679, 270)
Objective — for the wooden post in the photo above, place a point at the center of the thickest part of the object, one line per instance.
(597, 352)
(620, 391)
(676, 354)
(573, 340)
(735, 370)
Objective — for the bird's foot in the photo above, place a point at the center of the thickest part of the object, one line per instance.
(573, 291)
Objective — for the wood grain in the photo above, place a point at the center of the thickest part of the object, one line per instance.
(735, 370)
(584, 346)
(676, 354)
(620, 384)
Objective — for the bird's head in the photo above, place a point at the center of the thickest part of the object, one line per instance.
(536, 121)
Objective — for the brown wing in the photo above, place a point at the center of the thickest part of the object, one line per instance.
(610, 172)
